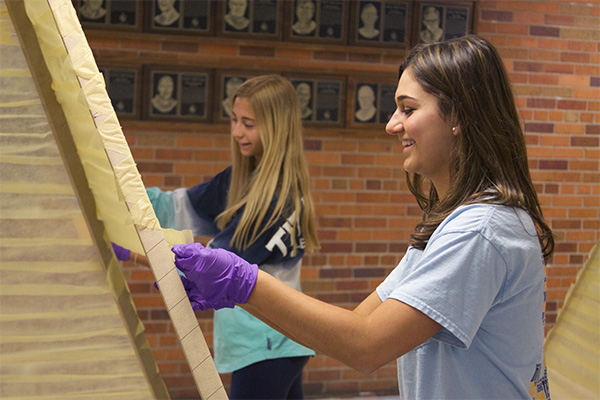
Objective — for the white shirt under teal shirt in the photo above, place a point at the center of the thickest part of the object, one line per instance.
(481, 277)
(239, 338)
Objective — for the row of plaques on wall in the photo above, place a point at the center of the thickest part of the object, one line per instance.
(358, 22)
(154, 92)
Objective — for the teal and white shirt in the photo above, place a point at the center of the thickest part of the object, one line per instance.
(239, 338)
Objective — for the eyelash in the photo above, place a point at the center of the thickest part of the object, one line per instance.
(407, 111)
(248, 126)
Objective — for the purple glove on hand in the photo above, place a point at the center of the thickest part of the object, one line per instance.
(216, 278)
(121, 252)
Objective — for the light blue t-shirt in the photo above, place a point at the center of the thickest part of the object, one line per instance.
(481, 277)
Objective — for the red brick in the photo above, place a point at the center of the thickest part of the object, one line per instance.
(495, 15)
(585, 141)
(560, 20)
(544, 31)
(573, 57)
(541, 103)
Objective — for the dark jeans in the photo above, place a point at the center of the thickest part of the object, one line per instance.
(280, 378)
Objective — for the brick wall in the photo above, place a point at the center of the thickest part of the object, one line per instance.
(551, 50)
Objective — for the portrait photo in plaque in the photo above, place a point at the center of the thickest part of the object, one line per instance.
(320, 98)
(117, 14)
(443, 21)
(123, 87)
(181, 16)
(365, 103)
(381, 22)
(372, 102)
(251, 18)
(177, 95)
(317, 20)
(305, 91)
(229, 82)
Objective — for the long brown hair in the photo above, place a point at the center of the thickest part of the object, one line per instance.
(282, 172)
(471, 85)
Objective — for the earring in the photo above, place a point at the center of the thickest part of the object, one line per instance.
(453, 129)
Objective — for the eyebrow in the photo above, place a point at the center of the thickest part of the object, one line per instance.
(243, 118)
(403, 96)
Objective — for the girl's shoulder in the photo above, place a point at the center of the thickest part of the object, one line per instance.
(500, 224)
(479, 216)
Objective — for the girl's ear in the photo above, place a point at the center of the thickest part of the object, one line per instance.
(452, 120)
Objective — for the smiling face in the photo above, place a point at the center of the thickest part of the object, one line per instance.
(427, 137)
(244, 129)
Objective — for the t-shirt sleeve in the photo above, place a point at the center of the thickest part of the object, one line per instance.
(209, 199)
(162, 202)
(455, 281)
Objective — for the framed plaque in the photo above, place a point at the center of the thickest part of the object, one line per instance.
(228, 83)
(177, 94)
(317, 20)
(124, 89)
(321, 99)
(250, 18)
(381, 22)
(113, 14)
(442, 21)
(371, 101)
(191, 17)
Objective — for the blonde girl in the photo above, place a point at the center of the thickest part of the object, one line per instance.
(259, 208)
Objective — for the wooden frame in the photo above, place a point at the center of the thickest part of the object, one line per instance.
(177, 94)
(370, 101)
(442, 20)
(321, 97)
(124, 87)
(250, 19)
(381, 23)
(111, 14)
(327, 24)
(189, 17)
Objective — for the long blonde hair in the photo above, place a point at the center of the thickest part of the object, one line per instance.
(282, 172)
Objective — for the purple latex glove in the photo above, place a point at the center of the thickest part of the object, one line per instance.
(216, 278)
(121, 252)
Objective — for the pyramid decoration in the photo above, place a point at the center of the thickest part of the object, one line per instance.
(68, 187)
(573, 345)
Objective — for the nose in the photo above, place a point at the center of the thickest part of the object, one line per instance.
(395, 125)
(236, 131)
